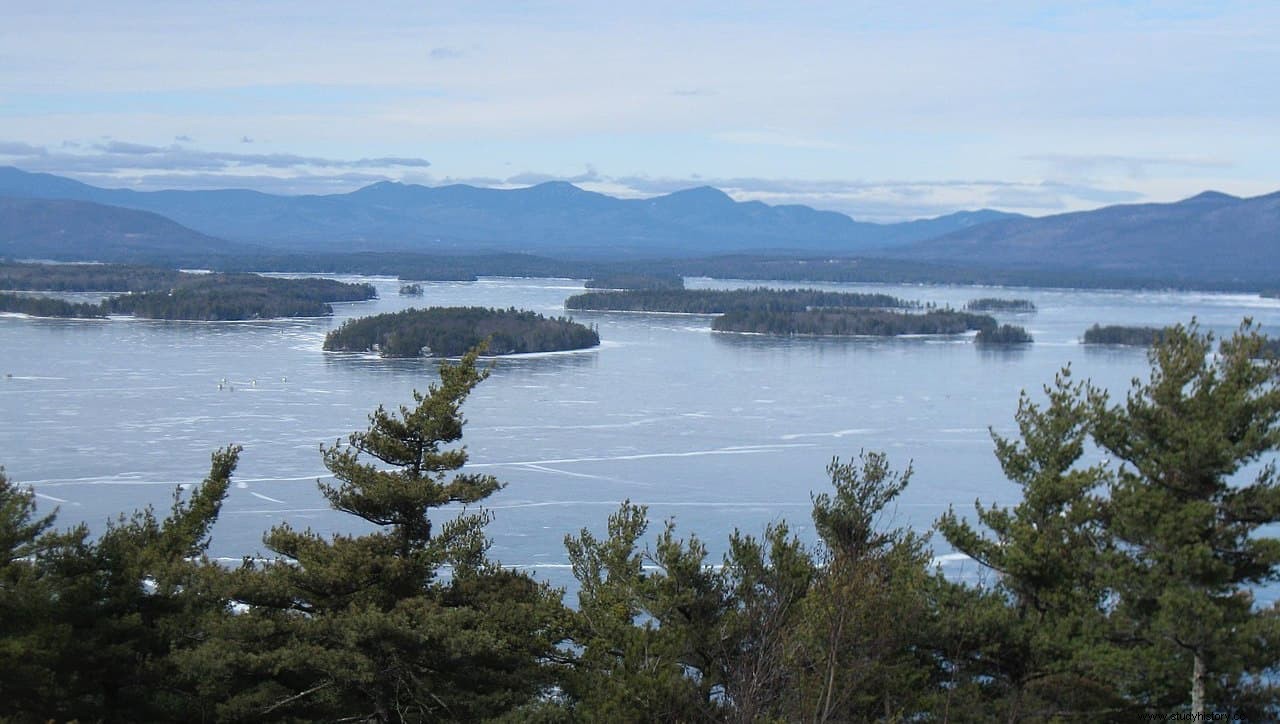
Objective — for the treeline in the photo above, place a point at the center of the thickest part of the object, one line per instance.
(871, 322)
(411, 266)
(719, 301)
(451, 331)
(87, 277)
(624, 280)
(996, 304)
(1121, 591)
(184, 296)
(49, 307)
(1130, 336)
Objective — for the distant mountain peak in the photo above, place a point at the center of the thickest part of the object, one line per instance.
(1210, 197)
(696, 196)
(555, 188)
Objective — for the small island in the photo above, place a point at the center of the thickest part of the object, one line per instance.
(852, 322)
(451, 331)
(168, 294)
(410, 290)
(721, 301)
(996, 304)
(1120, 335)
(623, 280)
(1005, 334)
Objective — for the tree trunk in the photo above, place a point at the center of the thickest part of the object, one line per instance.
(1197, 688)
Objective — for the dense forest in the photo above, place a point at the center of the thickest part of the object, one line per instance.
(88, 277)
(1114, 591)
(49, 307)
(451, 331)
(241, 296)
(1130, 336)
(996, 304)
(162, 294)
(850, 322)
(719, 301)
(625, 280)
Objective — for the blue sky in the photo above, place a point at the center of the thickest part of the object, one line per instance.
(886, 111)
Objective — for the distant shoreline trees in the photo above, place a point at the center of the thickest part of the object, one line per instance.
(1127, 336)
(851, 322)
(161, 294)
(720, 301)
(997, 304)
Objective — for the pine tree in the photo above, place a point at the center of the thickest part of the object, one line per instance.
(1190, 506)
(100, 626)
(1047, 552)
(411, 622)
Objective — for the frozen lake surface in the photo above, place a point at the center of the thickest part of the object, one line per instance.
(718, 431)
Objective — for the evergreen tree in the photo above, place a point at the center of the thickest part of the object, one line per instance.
(367, 627)
(1048, 554)
(1189, 507)
(95, 630)
(854, 648)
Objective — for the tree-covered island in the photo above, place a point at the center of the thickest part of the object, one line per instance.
(451, 331)
(1004, 334)
(166, 294)
(852, 322)
(720, 301)
(1127, 336)
(997, 304)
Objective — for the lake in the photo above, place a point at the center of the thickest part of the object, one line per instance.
(718, 431)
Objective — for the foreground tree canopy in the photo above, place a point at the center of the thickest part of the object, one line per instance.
(1122, 585)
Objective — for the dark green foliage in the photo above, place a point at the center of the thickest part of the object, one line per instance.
(96, 630)
(451, 331)
(624, 280)
(366, 627)
(720, 301)
(1004, 334)
(49, 307)
(240, 296)
(411, 290)
(1129, 336)
(850, 322)
(87, 277)
(1048, 552)
(1195, 490)
(996, 304)
(163, 294)
(776, 633)
(1129, 583)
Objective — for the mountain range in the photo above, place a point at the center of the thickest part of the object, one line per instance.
(1208, 238)
(554, 218)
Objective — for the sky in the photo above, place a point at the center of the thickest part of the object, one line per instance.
(882, 110)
